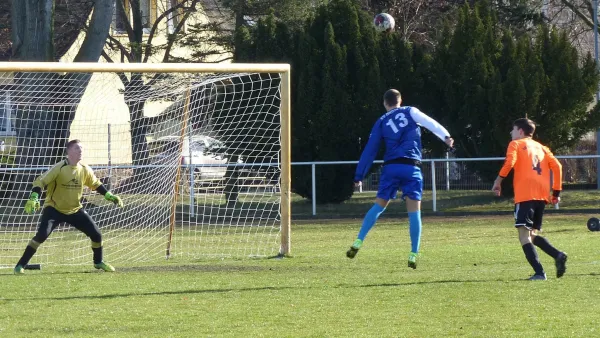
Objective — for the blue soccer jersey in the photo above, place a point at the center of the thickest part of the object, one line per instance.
(399, 129)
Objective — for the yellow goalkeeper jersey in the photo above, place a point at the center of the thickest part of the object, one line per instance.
(64, 185)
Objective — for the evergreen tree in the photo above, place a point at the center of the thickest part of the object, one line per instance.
(483, 78)
(340, 68)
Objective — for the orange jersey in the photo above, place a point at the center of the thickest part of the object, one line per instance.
(532, 163)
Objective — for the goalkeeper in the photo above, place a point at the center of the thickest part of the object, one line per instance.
(64, 182)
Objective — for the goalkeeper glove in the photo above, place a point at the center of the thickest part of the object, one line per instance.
(33, 204)
(113, 198)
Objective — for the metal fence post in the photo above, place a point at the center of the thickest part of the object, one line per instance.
(109, 160)
(596, 56)
(447, 172)
(314, 189)
(433, 191)
(191, 169)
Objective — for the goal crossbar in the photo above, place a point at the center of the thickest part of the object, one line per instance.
(89, 67)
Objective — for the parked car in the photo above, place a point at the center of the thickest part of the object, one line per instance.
(195, 150)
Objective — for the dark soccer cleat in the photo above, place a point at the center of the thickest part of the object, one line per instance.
(412, 260)
(538, 277)
(351, 253)
(561, 264)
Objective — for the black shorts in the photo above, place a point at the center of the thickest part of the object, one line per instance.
(51, 218)
(529, 214)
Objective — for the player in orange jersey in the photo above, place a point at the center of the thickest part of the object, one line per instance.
(532, 163)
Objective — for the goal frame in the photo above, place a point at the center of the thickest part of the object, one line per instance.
(285, 105)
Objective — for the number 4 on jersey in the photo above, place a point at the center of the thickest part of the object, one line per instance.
(536, 165)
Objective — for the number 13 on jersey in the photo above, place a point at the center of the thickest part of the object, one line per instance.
(402, 122)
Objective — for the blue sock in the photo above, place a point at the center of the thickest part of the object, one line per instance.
(369, 221)
(414, 228)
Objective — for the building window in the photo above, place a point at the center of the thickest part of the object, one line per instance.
(120, 18)
(124, 17)
(174, 17)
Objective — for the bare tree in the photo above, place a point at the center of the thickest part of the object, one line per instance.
(421, 20)
(141, 46)
(576, 17)
(47, 111)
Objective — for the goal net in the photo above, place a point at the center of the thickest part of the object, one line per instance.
(198, 153)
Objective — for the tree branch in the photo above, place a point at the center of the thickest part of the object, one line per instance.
(171, 39)
(107, 58)
(138, 31)
(122, 76)
(222, 60)
(121, 48)
(154, 28)
(590, 8)
(181, 24)
(125, 19)
(577, 12)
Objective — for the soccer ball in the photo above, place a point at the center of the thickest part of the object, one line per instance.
(384, 22)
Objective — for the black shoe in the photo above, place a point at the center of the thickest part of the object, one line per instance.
(412, 260)
(538, 277)
(351, 252)
(561, 264)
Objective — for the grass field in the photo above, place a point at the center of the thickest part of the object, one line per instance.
(470, 282)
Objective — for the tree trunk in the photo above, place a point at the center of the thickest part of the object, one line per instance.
(32, 30)
(231, 189)
(139, 128)
(46, 102)
(46, 106)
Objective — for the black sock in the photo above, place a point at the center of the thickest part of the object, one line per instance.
(97, 255)
(543, 244)
(532, 258)
(29, 252)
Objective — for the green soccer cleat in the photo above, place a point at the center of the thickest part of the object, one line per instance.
(412, 260)
(19, 270)
(104, 266)
(351, 253)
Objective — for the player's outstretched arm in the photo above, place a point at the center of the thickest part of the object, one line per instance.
(509, 163)
(109, 196)
(432, 125)
(368, 155)
(114, 198)
(33, 203)
(94, 183)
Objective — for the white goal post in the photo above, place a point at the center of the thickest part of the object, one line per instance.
(199, 153)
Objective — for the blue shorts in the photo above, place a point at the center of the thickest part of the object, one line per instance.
(400, 176)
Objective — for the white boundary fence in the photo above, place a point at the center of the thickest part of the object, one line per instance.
(432, 179)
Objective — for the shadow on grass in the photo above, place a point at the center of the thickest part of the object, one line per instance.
(165, 268)
(458, 281)
(159, 293)
(553, 230)
(186, 268)
(593, 274)
(445, 281)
